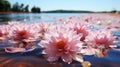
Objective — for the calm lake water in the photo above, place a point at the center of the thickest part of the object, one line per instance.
(111, 60)
(36, 17)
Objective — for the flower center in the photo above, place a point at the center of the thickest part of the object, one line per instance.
(61, 44)
(21, 33)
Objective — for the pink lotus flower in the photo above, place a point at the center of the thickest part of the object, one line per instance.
(99, 42)
(23, 32)
(100, 39)
(61, 43)
(22, 36)
(80, 28)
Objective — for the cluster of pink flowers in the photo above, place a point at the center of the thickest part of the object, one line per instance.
(69, 39)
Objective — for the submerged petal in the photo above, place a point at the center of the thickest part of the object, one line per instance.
(78, 58)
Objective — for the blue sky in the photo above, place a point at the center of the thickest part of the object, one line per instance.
(92, 5)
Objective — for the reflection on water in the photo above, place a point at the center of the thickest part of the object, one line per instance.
(19, 17)
(4, 17)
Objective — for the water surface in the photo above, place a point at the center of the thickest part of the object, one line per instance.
(36, 17)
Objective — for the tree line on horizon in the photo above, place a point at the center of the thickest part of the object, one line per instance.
(5, 6)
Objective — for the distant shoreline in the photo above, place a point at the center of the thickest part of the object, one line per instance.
(113, 14)
(63, 11)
